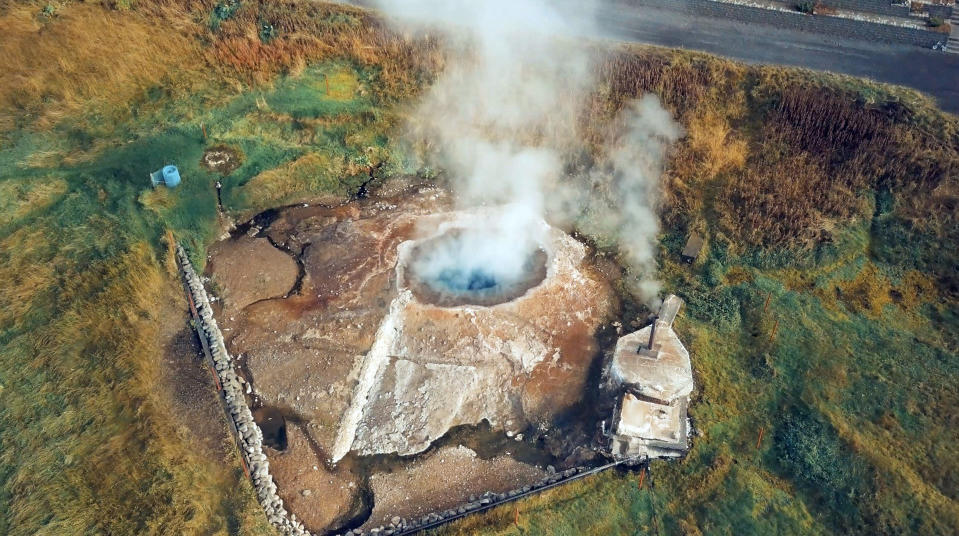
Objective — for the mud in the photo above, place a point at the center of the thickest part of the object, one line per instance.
(274, 272)
(222, 159)
(304, 290)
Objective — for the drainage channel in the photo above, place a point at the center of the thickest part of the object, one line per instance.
(497, 500)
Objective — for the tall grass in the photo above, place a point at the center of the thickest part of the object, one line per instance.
(85, 57)
(96, 100)
(830, 197)
(832, 200)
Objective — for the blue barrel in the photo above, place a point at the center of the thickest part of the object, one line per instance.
(171, 176)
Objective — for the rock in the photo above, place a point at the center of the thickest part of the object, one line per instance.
(251, 269)
(485, 363)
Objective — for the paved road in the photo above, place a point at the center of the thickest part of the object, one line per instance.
(933, 72)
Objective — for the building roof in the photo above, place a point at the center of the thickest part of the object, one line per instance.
(663, 372)
(693, 245)
(648, 420)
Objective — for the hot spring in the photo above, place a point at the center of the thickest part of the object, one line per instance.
(474, 267)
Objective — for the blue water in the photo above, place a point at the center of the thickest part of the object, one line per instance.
(469, 280)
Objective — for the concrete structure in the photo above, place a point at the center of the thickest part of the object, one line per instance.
(693, 246)
(652, 377)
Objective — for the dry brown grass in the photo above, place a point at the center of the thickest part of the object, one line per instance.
(826, 147)
(101, 453)
(312, 172)
(18, 198)
(780, 158)
(782, 199)
(85, 57)
(23, 278)
(711, 135)
(313, 31)
(867, 293)
(915, 289)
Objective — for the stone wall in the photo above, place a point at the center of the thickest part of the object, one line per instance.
(838, 27)
(249, 437)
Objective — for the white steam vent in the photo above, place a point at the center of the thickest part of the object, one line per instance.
(505, 115)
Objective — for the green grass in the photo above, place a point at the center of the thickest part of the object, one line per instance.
(82, 262)
(855, 408)
(854, 393)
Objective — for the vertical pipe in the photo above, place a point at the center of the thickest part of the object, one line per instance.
(652, 332)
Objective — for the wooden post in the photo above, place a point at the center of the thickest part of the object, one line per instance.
(642, 476)
(760, 441)
(203, 128)
(772, 336)
(216, 379)
(516, 515)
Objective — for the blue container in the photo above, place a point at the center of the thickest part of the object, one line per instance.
(171, 176)
(168, 176)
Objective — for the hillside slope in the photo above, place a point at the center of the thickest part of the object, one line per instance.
(821, 315)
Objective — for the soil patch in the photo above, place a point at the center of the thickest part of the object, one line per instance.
(222, 158)
(247, 270)
(444, 479)
(188, 382)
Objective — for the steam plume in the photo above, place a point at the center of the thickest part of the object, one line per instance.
(636, 164)
(502, 113)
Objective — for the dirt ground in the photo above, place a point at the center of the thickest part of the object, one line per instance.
(320, 498)
(222, 158)
(188, 383)
(272, 275)
(513, 366)
(444, 479)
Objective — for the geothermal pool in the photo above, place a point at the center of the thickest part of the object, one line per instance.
(446, 270)
(402, 362)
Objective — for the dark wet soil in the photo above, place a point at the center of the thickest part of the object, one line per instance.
(273, 425)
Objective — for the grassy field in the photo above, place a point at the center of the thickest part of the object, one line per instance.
(831, 199)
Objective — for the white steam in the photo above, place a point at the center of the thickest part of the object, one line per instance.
(500, 116)
(637, 162)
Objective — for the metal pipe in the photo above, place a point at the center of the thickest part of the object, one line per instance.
(652, 333)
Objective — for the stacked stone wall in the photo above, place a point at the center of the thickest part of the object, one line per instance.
(405, 527)
(249, 437)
